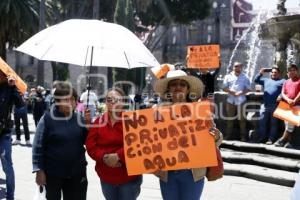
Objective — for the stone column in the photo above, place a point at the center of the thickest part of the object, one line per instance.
(295, 41)
(281, 55)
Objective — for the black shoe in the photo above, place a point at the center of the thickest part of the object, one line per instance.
(280, 143)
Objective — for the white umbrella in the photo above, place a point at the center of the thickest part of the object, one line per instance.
(89, 43)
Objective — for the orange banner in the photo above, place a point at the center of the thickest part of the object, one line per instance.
(290, 114)
(203, 56)
(6, 69)
(169, 138)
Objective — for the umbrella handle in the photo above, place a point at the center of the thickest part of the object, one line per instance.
(89, 78)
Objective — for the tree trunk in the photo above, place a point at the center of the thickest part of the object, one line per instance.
(42, 25)
(60, 71)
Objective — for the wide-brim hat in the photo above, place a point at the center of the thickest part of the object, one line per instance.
(196, 86)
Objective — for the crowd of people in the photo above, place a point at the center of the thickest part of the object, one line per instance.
(61, 140)
(275, 89)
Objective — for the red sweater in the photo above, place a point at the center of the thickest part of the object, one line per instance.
(105, 139)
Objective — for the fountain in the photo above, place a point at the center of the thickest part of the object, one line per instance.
(284, 31)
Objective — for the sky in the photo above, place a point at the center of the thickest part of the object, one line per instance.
(271, 4)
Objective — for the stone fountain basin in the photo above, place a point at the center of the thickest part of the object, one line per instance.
(280, 27)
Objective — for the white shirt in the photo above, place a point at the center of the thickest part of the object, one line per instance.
(237, 84)
(92, 98)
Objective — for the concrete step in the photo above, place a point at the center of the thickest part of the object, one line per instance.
(274, 176)
(261, 162)
(264, 160)
(261, 148)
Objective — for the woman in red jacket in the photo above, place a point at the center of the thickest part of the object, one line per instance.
(105, 145)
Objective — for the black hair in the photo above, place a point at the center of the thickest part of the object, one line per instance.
(64, 90)
(292, 66)
(276, 68)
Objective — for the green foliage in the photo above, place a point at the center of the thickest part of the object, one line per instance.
(18, 21)
(120, 15)
(129, 15)
(124, 15)
(60, 71)
(172, 11)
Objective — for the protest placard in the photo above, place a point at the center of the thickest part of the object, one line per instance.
(169, 138)
(8, 71)
(203, 56)
(290, 114)
(162, 70)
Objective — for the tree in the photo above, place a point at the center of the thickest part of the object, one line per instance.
(120, 15)
(167, 12)
(18, 21)
(151, 12)
(124, 15)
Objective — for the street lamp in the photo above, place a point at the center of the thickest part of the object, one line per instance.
(216, 8)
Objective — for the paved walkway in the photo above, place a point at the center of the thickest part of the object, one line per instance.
(228, 188)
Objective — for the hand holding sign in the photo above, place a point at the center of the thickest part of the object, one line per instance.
(13, 78)
(288, 113)
(112, 160)
(168, 138)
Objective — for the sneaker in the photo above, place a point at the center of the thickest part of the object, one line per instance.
(288, 145)
(269, 142)
(16, 142)
(280, 143)
(28, 143)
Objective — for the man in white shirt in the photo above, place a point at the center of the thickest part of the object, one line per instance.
(237, 85)
(90, 101)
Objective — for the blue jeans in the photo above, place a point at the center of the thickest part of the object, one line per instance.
(268, 125)
(181, 186)
(7, 165)
(127, 191)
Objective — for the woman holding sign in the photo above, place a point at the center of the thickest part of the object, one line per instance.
(105, 145)
(178, 87)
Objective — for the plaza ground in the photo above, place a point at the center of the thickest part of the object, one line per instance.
(227, 188)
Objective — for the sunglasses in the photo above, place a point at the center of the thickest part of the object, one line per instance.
(113, 100)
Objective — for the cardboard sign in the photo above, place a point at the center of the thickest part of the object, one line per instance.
(290, 114)
(203, 56)
(162, 70)
(168, 138)
(8, 71)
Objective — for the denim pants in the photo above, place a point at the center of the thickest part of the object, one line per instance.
(268, 125)
(181, 186)
(7, 165)
(127, 191)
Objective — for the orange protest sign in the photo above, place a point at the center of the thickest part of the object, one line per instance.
(7, 70)
(168, 138)
(290, 114)
(162, 70)
(203, 56)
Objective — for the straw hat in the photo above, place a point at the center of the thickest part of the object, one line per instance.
(195, 85)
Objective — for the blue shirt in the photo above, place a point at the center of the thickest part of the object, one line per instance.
(272, 88)
(237, 84)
